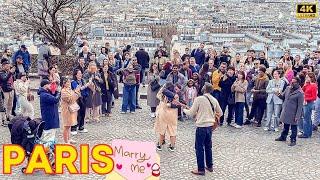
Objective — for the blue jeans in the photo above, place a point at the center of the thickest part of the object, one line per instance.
(307, 122)
(239, 113)
(203, 147)
(273, 109)
(317, 113)
(129, 98)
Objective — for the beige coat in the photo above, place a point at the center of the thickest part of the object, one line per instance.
(68, 97)
(240, 89)
(166, 117)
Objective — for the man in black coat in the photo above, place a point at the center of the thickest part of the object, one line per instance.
(143, 59)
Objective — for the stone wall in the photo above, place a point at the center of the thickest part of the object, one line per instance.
(65, 64)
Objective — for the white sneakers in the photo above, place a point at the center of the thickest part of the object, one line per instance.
(237, 126)
(153, 115)
(80, 131)
(83, 131)
(266, 128)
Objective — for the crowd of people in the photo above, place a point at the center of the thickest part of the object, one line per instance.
(202, 85)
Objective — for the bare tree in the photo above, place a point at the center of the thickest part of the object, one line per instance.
(57, 20)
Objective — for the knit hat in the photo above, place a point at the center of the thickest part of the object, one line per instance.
(44, 82)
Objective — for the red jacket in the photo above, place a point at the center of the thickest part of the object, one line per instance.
(310, 91)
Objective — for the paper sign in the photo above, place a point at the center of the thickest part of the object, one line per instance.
(135, 160)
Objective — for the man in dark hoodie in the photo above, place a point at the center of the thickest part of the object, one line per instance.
(49, 110)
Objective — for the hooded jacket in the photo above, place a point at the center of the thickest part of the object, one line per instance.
(49, 108)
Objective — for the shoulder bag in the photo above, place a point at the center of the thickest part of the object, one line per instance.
(217, 120)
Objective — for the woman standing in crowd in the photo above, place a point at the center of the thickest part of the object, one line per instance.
(153, 79)
(21, 86)
(249, 63)
(166, 70)
(76, 83)
(107, 87)
(298, 65)
(69, 108)
(239, 87)
(310, 90)
(160, 60)
(94, 101)
(289, 74)
(274, 103)
(292, 110)
(54, 78)
(204, 75)
(167, 116)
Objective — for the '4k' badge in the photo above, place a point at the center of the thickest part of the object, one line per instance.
(307, 10)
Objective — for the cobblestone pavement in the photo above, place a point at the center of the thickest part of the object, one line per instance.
(249, 153)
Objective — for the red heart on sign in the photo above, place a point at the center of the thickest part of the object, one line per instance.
(119, 166)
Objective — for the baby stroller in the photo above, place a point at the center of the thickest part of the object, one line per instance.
(27, 133)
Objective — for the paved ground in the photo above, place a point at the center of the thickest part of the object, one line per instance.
(249, 153)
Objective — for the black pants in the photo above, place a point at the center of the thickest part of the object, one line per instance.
(257, 109)
(15, 99)
(153, 109)
(106, 105)
(203, 147)
(137, 93)
(81, 115)
(294, 132)
(224, 105)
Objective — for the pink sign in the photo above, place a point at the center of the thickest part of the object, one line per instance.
(134, 160)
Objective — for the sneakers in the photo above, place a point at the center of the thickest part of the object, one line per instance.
(73, 133)
(276, 129)
(171, 148)
(4, 124)
(159, 147)
(122, 112)
(300, 133)
(237, 126)
(83, 131)
(247, 122)
(292, 143)
(132, 112)
(153, 115)
(138, 107)
(266, 129)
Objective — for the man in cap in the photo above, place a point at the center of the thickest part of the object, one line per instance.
(26, 58)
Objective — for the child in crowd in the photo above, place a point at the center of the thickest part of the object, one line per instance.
(190, 93)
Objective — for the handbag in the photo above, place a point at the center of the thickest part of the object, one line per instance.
(74, 107)
(155, 85)
(217, 119)
(231, 99)
(30, 97)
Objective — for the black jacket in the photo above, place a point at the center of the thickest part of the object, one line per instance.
(264, 62)
(226, 87)
(6, 81)
(143, 58)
